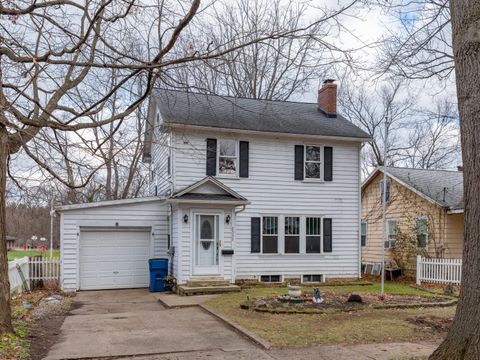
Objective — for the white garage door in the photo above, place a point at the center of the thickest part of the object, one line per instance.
(113, 259)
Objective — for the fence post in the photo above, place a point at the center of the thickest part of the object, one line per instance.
(419, 269)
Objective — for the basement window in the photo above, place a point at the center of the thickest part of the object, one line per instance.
(312, 278)
(270, 278)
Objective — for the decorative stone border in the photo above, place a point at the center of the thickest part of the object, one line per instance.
(313, 311)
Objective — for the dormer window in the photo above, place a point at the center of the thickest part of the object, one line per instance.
(227, 157)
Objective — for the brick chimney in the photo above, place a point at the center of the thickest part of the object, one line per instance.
(327, 98)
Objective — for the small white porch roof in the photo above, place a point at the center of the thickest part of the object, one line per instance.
(208, 190)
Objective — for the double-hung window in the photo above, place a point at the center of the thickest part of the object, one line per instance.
(421, 228)
(313, 235)
(227, 157)
(363, 234)
(292, 234)
(270, 234)
(312, 162)
(391, 233)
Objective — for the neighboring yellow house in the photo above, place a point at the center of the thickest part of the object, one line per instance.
(424, 215)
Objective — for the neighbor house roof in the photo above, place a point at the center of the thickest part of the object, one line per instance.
(443, 187)
(225, 112)
(10, 238)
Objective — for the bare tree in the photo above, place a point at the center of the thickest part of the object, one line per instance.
(422, 48)
(368, 108)
(274, 69)
(434, 142)
(417, 138)
(52, 52)
(463, 339)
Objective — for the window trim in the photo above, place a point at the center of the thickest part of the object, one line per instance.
(427, 235)
(366, 232)
(320, 162)
(237, 159)
(388, 233)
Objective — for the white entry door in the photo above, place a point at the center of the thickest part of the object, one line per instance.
(206, 245)
(114, 259)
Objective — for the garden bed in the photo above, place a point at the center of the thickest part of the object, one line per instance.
(338, 302)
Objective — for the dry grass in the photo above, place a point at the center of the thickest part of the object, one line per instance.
(366, 326)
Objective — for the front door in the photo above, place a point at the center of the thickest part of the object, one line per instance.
(206, 244)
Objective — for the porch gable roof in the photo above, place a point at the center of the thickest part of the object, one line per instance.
(209, 190)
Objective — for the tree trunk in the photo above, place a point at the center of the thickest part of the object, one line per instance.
(5, 313)
(463, 339)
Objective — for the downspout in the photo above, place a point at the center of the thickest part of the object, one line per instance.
(359, 227)
(171, 250)
(234, 267)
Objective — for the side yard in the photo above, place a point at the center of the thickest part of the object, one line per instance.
(369, 325)
(36, 318)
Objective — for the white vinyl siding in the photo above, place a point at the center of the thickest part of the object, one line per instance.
(272, 191)
(161, 162)
(150, 215)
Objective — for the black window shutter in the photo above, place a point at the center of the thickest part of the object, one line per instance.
(255, 234)
(328, 163)
(299, 162)
(327, 235)
(211, 157)
(244, 145)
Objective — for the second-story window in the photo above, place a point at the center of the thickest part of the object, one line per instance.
(312, 162)
(227, 157)
(387, 195)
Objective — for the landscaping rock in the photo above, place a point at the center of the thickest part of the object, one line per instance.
(449, 290)
(355, 298)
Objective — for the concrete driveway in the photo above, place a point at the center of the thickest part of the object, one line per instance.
(122, 323)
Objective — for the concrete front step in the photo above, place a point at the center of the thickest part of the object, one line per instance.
(207, 283)
(185, 290)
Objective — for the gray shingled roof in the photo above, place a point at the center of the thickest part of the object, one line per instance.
(432, 183)
(187, 108)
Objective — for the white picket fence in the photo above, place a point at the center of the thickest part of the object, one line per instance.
(16, 282)
(44, 269)
(33, 269)
(441, 271)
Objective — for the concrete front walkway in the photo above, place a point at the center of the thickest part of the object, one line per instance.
(132, 322)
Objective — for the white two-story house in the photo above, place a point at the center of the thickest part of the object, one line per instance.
(239, 189)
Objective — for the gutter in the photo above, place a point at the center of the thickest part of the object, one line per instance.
(453, 212)
(269, 133)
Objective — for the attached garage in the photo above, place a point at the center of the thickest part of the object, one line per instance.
(106, 245)
(113, 258)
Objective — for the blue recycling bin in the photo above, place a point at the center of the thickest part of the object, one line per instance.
(158, 270)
